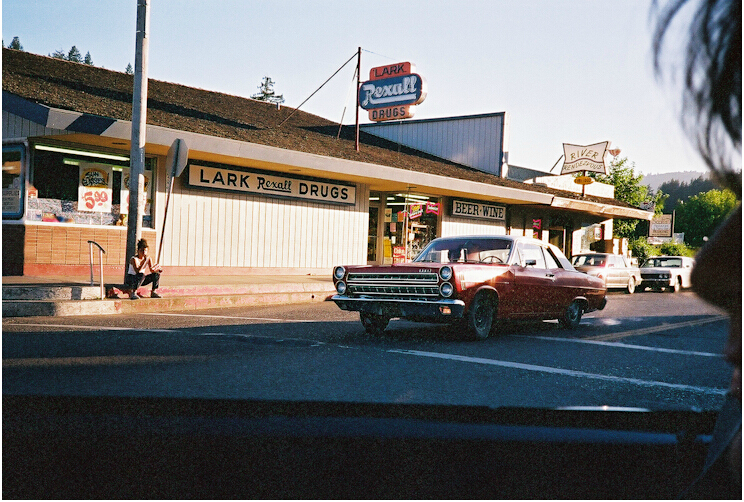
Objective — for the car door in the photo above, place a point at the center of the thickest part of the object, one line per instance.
(617, 273)
(533, 282)
(562, 291)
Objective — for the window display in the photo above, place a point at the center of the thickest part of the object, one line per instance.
(12, 181)
(72, 186)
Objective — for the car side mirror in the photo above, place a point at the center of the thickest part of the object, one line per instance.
(530, 263)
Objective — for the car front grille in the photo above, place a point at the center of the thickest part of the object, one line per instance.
(405, 286)
(655, 276)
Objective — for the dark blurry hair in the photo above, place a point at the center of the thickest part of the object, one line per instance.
(142, 244)
(712, 72)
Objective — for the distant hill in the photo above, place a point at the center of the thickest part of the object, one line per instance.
(656, 180)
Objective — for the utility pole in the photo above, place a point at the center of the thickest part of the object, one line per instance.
(137, 194)
(359, 84)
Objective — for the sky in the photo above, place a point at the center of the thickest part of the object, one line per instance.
(565, 71)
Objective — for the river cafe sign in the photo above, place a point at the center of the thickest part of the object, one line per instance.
(275, 185)
(392, 92)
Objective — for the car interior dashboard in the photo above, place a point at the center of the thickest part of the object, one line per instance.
(66, 447)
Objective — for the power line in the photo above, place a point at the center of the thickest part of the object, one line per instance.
(316, 90)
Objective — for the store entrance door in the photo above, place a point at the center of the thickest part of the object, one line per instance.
(410, 222)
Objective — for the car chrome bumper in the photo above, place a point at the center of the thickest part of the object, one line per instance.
(441, 310)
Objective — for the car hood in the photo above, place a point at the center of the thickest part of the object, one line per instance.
(655, 270)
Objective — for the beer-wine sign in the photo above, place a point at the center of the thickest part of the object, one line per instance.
(392, 92)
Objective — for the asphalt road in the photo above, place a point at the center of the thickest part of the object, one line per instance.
(647, 350)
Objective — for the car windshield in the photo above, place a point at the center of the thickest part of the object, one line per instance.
(589, 260)
(417, 261)
(662, 262)
(490, 250)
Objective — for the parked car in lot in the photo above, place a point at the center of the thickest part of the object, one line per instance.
(613, 269)
(474, 279)
(670, 273)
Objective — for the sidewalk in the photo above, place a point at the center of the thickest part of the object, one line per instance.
(25, 296)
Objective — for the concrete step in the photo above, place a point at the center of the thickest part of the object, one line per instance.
(51, 292)
(267, 296)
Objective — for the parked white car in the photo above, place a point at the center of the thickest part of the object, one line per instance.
(670, 273)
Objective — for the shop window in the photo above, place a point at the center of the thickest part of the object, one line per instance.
(411, 222)
(13, 181)
(74, 186)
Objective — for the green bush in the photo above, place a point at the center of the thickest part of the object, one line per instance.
(675, 249)
(641, 249)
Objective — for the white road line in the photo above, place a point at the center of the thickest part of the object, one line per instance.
(623, 346)
(101, 328)
(230, 317)
(559, 371)
(658, 329)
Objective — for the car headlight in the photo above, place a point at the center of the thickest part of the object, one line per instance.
(339, 273)
(445, 273)
(446, 289)
(341, 287)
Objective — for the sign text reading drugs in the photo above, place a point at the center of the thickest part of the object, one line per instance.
(477, 210)
(273, 185)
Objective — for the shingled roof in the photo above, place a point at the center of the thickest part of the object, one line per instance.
(88, 89)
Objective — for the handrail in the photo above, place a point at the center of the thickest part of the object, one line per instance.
(101, 252)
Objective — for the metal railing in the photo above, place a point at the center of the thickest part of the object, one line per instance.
(101, 252)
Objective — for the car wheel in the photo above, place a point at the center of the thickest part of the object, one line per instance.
(631, 286)
(572, 316)
(677, 286)
(374, 324)
(481, 315)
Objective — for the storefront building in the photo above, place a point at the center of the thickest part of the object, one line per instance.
(263, 191)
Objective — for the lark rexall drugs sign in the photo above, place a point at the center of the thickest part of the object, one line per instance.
(275, 185)
(392, 92)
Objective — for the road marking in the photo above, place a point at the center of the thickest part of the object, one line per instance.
(623, 345)
(560, 371)
(231, 317)
(657, 329)
(97, 361)
(101, 328)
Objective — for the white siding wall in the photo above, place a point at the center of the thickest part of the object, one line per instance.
(219, 229)
(468, 226)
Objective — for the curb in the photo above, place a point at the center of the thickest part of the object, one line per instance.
(33, 308)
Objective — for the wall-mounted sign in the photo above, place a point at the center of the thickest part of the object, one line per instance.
(479, 210)
(585, 158)
(276, 185)
(391, 92)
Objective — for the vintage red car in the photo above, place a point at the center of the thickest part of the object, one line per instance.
(473, 280)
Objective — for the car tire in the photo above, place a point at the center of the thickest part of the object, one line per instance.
(631, 285)
(374, 324)
(677, 286)
(572, 316)
(481, 315)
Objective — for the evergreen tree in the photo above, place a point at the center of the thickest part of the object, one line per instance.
(15, 44)
(59, 54)
(74, 55)
(88, 59)
(129, 70)
(266, 92)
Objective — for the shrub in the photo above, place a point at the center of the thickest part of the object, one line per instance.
(641, 249)
(675, 249)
